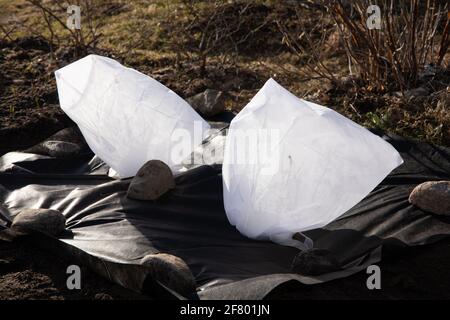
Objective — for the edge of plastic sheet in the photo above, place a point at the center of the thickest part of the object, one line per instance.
(134, 277)
(258, 288)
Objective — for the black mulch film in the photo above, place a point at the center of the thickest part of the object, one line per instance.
(111, 233)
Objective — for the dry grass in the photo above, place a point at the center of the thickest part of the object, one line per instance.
(236, 45)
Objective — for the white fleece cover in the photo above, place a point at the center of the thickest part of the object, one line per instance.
(318, 165)
(126, 117)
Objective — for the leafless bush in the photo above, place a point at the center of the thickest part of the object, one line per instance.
(307, 37)
(222, 26)
(54, 14)
(412, 34)
(6, 32)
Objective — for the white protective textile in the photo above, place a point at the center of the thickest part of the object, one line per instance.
(126, 117)
(317, 165)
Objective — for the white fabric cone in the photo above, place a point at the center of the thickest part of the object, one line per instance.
(126, 117)
(318, 165)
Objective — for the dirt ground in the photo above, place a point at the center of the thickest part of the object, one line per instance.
(27, 272)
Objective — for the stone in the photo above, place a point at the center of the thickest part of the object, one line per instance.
(48, 221)
(71, 134)
(64, 143)
(412, 93)
(171, 271)
(5, 262)
(417, 92)
(103, 296)
(315, 262)
(208, 103)
(432, 196)
(61, 149)
(152, 180)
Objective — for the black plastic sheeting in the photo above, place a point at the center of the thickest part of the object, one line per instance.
(111, 233)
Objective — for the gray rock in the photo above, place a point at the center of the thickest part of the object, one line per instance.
(48, 221)
(315, 262)
(5, 262)
(71, 134)
(432, 196)
(61, 149)
(208, 103)
(429, 71)
(170, 270)
(152, 180)
(103, 296)
(417, 92)
(61, 144)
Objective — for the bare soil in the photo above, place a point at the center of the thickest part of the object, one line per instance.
(28, 100)
(27, 272)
